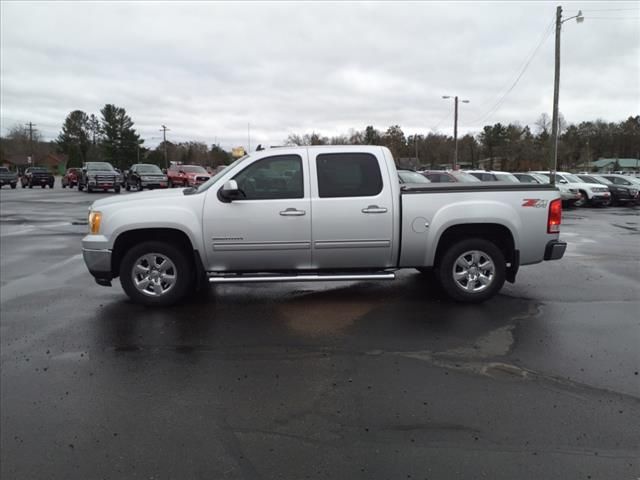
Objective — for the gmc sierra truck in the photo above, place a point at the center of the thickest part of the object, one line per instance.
(320, 214)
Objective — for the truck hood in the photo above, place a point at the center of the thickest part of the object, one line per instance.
(137, 197)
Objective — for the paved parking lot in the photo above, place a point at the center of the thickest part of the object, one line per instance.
(338, 380)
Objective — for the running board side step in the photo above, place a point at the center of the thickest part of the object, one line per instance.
(246, 278)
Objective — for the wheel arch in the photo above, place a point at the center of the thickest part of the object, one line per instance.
(127, 239)
(496, 233)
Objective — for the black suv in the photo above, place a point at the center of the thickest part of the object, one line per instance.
(145, 175)
(99, 176)
(34, 176)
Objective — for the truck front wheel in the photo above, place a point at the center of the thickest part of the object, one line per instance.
(156, 274)
(472, 270)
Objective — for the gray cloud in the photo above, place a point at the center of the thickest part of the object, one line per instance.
(208, 69)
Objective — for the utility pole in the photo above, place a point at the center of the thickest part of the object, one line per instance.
(455, 135)
(164, 144)
(556, 93)
(455, 129)
(31, 157)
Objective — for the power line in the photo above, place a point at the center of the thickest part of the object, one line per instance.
(613, 10)
(611, 18)
(444, 119)
(547, 32)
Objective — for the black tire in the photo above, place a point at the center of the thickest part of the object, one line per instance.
(64, 185)
(117, 189)
(184, 273)
(127, 187)
(169, 184)
(583, 201)
(80, 187)
(30, 186)
(23, 185)
(89, 189)
(139, 186)
(14, 185)
(487, 250)
(51, 185)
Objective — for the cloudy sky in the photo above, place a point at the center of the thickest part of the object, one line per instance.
(207, 69)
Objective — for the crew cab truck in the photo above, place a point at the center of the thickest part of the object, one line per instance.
(320, 213)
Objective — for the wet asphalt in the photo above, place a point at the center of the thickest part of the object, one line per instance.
(353, 380)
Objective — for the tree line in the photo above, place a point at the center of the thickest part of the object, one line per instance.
(111, 136)
(512, 146)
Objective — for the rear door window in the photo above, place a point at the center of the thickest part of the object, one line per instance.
(348, 175)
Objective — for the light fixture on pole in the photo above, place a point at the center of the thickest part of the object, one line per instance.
(455, 129)
(556, 92)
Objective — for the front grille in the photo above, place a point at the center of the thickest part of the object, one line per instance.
(105, 178)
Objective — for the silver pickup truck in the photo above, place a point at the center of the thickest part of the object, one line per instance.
(320, 213)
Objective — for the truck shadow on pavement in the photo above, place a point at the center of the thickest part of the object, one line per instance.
(410, 313)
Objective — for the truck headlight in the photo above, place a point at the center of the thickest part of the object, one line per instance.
(95, 218)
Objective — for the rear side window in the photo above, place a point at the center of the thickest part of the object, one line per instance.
(348, 175)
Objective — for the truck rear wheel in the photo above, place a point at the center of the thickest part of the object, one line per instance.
(472, 270)
(156, 274)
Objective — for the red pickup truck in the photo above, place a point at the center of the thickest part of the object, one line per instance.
(70, 178)
(187, 175)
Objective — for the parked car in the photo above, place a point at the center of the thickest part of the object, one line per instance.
(492, 176)
(409, 176)
(592, 194)
(569, 195)
(187, 175)
(99, 176)
(71, 177)
(325, 213)
(623, 190)
(145, 175)
(34, 176)
(448, 176)
(7, 177)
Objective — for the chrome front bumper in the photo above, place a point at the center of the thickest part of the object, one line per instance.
(99, 264)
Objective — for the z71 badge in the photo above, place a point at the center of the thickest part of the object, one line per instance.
(534, 202)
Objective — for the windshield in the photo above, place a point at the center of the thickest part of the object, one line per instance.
(412, 177)
(192, 169)
(4, 169)
(571, 178)
(463, 176)
(506, 177)
(148, 169)
(99, 166)
(541, 177)
(592, 179)
(602, 180)
(215, 178)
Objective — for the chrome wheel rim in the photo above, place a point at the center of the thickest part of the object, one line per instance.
(154, 274)
(473, 271)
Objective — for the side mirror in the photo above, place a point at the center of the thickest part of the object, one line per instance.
(562, 181)
(164, 170)
(181, 172)
(230, 191)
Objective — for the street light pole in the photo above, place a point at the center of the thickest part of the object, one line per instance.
(556, 93)
(455, 129)
(164, 144)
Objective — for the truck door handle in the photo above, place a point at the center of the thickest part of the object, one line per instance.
(374, 209)
(292, 212)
